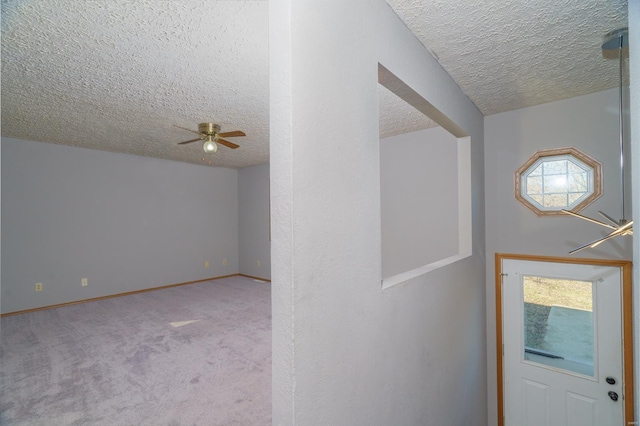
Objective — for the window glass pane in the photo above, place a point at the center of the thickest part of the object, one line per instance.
(537, 198)
(573, 198)
(555, 183)
(554, 167)
(558, 323)
(575, 168)
(555, 200)
(578, 182)
(534, 185)
(537, 171)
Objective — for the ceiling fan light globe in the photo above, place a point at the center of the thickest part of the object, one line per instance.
(210, 146)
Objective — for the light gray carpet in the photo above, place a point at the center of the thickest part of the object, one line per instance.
(120, 361)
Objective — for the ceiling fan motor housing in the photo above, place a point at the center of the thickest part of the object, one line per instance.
(209, 128)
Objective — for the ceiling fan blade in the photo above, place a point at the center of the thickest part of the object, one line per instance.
(189, 130)
(592, 244)
(588, 219)
(192, 140)
(623, 230)
(227, 143)
(602, 240)
(609, 218)
(232, 134)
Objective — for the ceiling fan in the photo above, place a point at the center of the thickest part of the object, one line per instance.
(616, 39)
(621, 227)
(210, 134)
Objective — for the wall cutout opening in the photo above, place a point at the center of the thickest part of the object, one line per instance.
(425, 184)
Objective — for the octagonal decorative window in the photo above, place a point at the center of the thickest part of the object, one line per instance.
(557, 179)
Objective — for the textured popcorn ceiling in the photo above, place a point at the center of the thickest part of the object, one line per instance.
(116, 75)
(398, 117)
(507, 55)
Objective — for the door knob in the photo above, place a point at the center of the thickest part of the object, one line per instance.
(613, 396)
(611, 380)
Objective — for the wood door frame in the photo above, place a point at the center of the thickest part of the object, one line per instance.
(627, 323)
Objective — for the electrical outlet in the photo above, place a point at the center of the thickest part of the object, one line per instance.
(85, 282)
(258, 263)
(38, 286)
(224, 262)
(206, 264)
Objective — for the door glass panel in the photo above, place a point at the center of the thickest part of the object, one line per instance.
(558, 323)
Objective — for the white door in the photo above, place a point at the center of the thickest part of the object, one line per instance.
(562, 338)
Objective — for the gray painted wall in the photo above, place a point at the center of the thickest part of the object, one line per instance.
(589, 123)
(124, 222)
(346, 352)
(253, 222)
(634, 67)
(0, 227)
(419, 199)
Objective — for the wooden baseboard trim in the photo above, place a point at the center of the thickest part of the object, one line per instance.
(255, 278)
(128, 293)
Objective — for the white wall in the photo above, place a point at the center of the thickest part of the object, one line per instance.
(589, 123)
(0, 225)
(419, 199)
(124, 222)
(344, 351)
(634, 67)
(253, 221)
